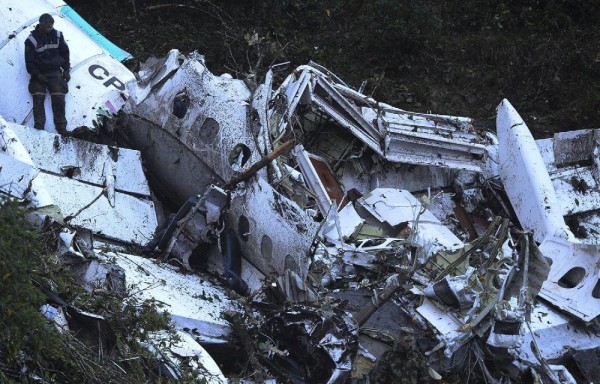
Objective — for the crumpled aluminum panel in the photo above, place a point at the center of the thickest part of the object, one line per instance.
(553, 331)
(131, 220)
(216, 120)
(394, 207)
(195, 304)
(15, 176)
(275, 233)
(88, 162)
(573, 283)
(183, 353)
(99, 208)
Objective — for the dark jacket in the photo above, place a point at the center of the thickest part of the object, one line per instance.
(46, 54)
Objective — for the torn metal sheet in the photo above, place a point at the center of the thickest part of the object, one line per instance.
(291, 288)
(447, 325)
(304, 344)
(574, 147)
(195, 304)
(394, 134)
(71, 245)
(57, 316)
(326, 97)
(319, 179)
(184, 358)
(573, 284)
(85, 161)
(91, 328)
(453, 290)
(260, 103)
(466, 285)
(395, 207)
(87, 206)
(21, 178)
(16, 178)
(79, 202)
(390, 327)
(375, 254)
(571, 160)
(152, 72)
(349, 160)
(197, 222)
(348, 221)
(294, 91)
(577, 190)
(98, 81)
(274, 232)
(99, 276)
(551, 331)
(365, 260)
(444, 141)
(505, 333)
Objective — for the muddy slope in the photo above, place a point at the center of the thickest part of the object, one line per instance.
(544, 56)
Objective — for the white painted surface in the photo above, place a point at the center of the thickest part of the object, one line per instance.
(273, 219)
(553, 332)
(11, 146)
(214, 100)
(125, 217)
(193, 302)
(546, 148)
(131, 220)
(86, 93)
(15, 176)
(446, 324)
(54, 154)
(573, 199)
(525, 177)
(566, 256)
(395, 206)
(191, 352)
(297, 89)
(349, 221)
(443, 141)
(152, 72)
(312, 179)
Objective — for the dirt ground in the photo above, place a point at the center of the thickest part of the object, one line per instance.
(457, 58)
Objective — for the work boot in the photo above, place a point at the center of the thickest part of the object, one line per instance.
(58, 110)
(39, 113)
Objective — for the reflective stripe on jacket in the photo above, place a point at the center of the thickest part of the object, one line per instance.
(46, 53)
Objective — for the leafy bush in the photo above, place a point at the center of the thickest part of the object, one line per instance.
(30, 346)
(23, 327)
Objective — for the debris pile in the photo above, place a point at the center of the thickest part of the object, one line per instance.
(308, 233)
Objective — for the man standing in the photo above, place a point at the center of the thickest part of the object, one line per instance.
(47, 61)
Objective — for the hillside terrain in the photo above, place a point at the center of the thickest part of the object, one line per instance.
(457, 58)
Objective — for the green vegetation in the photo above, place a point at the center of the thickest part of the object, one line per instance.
(23, 327)
(31, 346)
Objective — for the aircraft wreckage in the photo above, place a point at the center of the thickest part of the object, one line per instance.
(313, 207)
